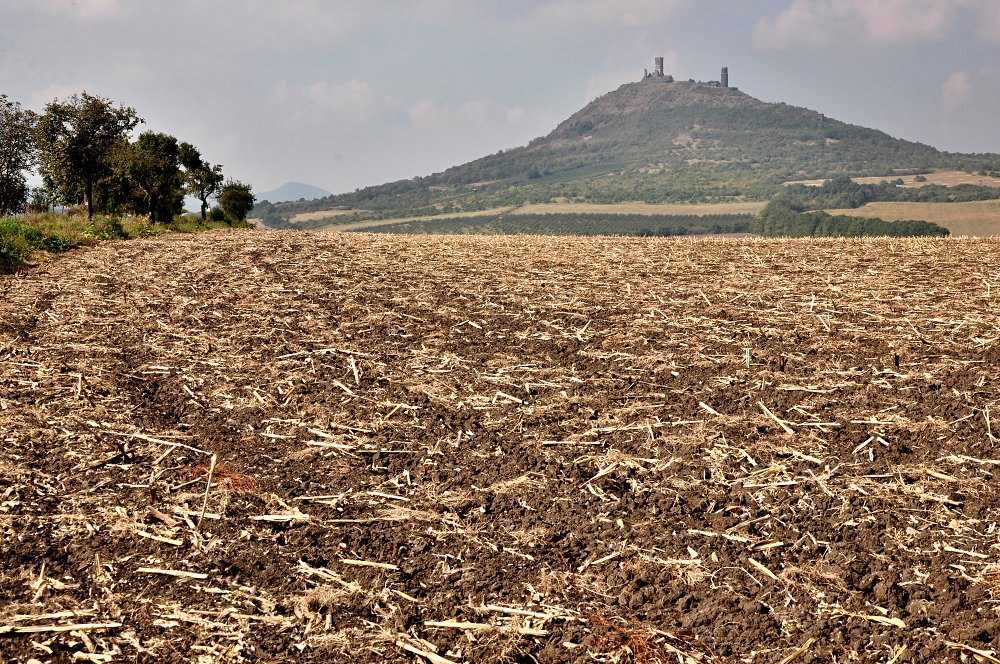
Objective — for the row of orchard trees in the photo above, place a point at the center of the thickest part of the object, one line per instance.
(83, 148)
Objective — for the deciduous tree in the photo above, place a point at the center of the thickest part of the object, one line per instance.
(201, 179)
(153, 164)
(76, 139)
(17, 155)
(236, 199)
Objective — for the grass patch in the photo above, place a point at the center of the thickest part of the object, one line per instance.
(55, 233)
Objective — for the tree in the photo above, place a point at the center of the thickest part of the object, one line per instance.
(236, 199)
(153, 164)
(76, 140)
(17, 155)
(201, 179)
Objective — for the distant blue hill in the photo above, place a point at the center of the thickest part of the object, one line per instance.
(292, 191)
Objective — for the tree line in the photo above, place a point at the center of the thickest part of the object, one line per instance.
(843, 192)
(779, 219)
(564, 223)
(83, 148)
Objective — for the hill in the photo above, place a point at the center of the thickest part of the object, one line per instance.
(655, 141)
(293, 191)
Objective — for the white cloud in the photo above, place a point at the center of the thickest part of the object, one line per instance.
(40, 98)
(956, 91)
(574, 15)
(842, 23)
(987, 14)
(86, 9)
(427, 115)
(353, 101)
(515, 114)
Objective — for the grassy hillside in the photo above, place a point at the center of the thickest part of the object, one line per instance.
(652, 142)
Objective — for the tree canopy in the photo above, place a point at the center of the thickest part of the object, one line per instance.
(153, 163)
(236, 199)
(76, 140)
(17, 155)
(201, 179)
(86, 154)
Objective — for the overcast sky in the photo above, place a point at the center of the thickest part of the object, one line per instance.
(347, 93)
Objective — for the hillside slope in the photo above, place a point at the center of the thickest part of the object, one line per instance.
(657, 142)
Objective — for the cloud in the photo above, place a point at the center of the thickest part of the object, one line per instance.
(427, 115)
(971, 92)
(352, 102)
(987, 15)
(967, 100)
(817, 24)
(515, 114)
(574, 15)
(85, 9)
(956, 91)
(40, 98)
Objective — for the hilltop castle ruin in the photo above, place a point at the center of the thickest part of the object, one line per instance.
(659, 75)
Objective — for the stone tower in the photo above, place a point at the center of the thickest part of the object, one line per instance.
(658, 69)
(724, 79)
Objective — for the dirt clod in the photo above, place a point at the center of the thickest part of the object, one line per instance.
(513, 449)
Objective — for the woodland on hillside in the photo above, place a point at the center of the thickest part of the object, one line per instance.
(656, 143)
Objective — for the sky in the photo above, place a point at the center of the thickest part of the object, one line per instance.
(343, 94)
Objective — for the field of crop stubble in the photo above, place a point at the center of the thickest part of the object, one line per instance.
(253, 446)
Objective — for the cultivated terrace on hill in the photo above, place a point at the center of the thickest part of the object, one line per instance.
(656, 142)
(503, 449)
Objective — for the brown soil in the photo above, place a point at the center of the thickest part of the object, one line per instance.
(454, 449)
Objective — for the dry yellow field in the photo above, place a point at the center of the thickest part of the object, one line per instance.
(371, 223)
(324, 214)
(745, 207)
(975, 218)
(946, 178)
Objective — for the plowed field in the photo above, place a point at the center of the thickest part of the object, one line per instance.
(287, 447)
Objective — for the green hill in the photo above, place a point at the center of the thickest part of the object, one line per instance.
(653, 141)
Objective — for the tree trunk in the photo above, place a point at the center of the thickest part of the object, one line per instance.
(88, 196)
(204, 209)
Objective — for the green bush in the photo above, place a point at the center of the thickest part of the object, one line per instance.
(779, 219)
(17, 241)
(107, 228)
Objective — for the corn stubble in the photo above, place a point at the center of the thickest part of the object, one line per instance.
(251, 446)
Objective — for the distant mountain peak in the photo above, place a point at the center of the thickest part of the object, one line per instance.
(293, 191)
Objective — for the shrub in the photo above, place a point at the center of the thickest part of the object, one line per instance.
(17, 241)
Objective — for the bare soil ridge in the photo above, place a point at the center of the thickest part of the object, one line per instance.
(313, 448)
